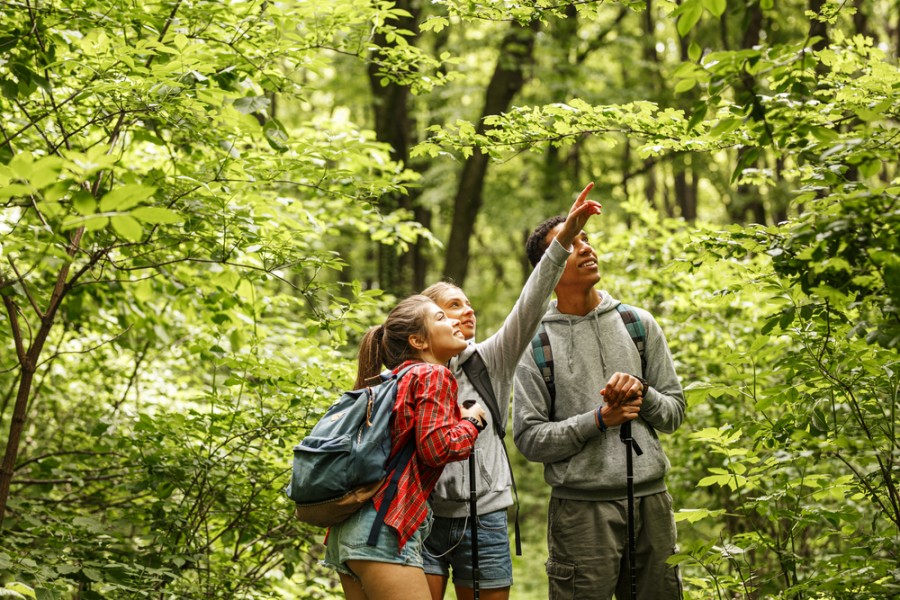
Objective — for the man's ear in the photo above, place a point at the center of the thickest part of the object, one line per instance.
(418, 342)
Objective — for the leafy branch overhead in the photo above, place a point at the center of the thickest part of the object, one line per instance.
(843, 117)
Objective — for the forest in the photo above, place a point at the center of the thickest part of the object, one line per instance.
(205, 204)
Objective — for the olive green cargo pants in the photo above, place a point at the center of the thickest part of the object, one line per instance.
(587, 543)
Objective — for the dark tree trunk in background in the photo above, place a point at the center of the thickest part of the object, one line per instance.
(748, 199)
(515, 58)
(394, 125)
(818, 28)
(652, 70)
(685, 199)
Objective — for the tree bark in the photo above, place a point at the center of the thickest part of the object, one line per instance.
(818, 28)
(651, 59)
(28, 362)
(515, 57)
(747, 197)
(394, 125)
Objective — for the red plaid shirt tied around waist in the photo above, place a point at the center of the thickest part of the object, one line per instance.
(426, 407)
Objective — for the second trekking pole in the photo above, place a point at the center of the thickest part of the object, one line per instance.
(625, 434)
(473, 515)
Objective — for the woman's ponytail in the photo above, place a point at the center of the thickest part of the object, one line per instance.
(371, 356)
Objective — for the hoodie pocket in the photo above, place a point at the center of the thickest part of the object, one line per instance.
(454, 482)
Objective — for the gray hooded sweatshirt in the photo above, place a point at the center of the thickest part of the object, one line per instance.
(500, 353)
(580, 461)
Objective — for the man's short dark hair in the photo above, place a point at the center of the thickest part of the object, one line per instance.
(536, 245)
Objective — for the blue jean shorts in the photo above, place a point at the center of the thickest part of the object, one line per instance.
(347, 541)
(449, 548)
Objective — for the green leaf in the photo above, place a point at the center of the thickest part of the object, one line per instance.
(124, 197)
(90, 223)
(868, 115)
(251, 104)
(128, 227)
(725, 126)
(698, 115)
(9, 88)
(21, 588)
(84, 203)
(276, 135)
(691, 15)
(716, 7)
(695, 51)
(155, 214)
(684, 85)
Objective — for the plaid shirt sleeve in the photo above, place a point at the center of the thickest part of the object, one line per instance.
(427, 409)
(441, 437)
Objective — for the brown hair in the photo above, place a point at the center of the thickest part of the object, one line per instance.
(438, 291)
(388, 344)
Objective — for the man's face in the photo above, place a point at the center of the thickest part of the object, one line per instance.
(582, 271)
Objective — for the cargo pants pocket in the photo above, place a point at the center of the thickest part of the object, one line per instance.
(561, 580)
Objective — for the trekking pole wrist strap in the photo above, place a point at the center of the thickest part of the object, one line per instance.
(479, 425)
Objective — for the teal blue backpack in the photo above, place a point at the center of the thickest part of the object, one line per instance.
(343, 461)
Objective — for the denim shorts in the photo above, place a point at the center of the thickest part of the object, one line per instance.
(347, 541)
(449, 547)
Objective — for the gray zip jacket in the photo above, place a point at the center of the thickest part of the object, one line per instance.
(500, 353)
(580, 461)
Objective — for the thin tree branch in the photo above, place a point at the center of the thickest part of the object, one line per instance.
(65, 453)
(67, 480)
(12, 310)
(34, 305)
(88, 350)
(165, 29)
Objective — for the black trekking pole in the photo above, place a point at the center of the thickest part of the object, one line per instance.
(473, 514)
(625, 435)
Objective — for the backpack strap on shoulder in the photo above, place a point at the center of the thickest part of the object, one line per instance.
(543, 353)
(398, 463)
(543, 358)
(478, 375)
(636, 330)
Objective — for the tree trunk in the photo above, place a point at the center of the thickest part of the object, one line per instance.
(652, 70)
(16, 427)
(515, 57)
(28, 362)
(818, 28)
(681, 164)
(394, 126)
(747, 197)
(861, 19)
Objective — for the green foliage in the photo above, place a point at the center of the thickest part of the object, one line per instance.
(169, 321)
(183, 187)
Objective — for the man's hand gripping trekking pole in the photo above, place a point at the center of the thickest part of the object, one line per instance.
(623, 398)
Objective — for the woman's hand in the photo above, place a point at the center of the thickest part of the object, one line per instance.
(472, 409)
(578, 215)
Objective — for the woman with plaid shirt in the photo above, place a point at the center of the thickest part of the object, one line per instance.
(418, 333)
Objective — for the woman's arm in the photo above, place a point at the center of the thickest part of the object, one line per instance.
(502, 350)
(441, 437)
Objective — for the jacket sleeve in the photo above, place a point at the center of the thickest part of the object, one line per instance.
(502, 350)
(537, 437)
(441, 437)
(664, 405)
